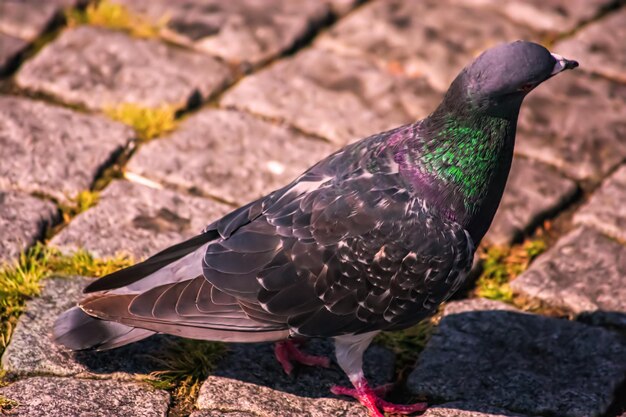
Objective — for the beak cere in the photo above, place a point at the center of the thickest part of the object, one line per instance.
(562, 64)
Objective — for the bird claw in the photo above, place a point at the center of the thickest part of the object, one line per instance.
(287, 353)
(371, 399)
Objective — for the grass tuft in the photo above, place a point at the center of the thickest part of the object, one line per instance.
(7, 404)
(82, 202)
(502, 264)
(187, 364)
(115, 16)
(148, 122)
(408, 344)
(21, 280)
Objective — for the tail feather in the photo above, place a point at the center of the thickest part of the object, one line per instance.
(78, 330)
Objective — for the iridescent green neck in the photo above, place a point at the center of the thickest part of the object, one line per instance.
(463, 154)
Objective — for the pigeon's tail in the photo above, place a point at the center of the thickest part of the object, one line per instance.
(79, 331)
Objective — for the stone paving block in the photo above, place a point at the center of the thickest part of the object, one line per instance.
(99, 68)
(52, 150)
(249, 380)
(23, 219)
(137, 220)
(521, 362)
(10, 48)
(229, 155)
(533, 192)
(605, 210)
(467, 409)
(66, 397)
(599, 47)
(245, 32)
(555, 16)
(338, 98)
(576, 123)
(27, 19)
(416, 37)
(32, 351)
(584, 272)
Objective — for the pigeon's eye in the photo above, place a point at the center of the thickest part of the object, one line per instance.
(525, 88)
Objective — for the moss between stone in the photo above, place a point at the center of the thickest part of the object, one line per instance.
(502, 264)
(7, 404)
(187, 364)
(408, 344)
(21, 280)
(115, 16)
(148, 122)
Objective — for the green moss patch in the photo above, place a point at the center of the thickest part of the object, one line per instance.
(115, 16)
(7, 404)
(148, 122)
(502, 264)
(187, 363)
(21, 279)
(408, 344)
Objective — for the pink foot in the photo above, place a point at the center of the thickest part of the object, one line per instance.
(370, 399)
(287, 353)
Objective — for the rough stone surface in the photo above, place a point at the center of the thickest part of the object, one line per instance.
(584, 272)
(335, 97)
(228, 155)
(23, 220)
(245, 32)
(99, 68)
(521, 362)
(27, 19)
(249, 380)
(33, 352)
(52, 150)
(137, 220)
(600, 47)
(533, 192)
(605, 210)
(576, 123)
(65, 397)
(555, 16)
(10, 48)
(215, 413)
(415, 37)
(466, 409)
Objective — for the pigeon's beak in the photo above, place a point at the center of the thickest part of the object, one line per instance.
(562, 64)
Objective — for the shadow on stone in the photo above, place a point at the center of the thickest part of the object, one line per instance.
(523, 362)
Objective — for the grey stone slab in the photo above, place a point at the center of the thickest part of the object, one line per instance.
(137, 220)
(99, 68)
(52, 150)
(416, 37)
(230, 155)
(32, 351)
(467, 409)
(521, 362)
(249, 380)
(244, 33)
(584, 272)
(10, 48)
(27, 19)
(67, 397)
(576, 123)
(336, 97)
(554, 16)
(605, 209)
(23, 220)
(533, 192)
(599, 46)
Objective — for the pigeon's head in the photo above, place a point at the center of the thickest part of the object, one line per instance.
(499, 79)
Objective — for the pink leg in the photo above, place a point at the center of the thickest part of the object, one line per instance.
(287, 352)
(370, 398)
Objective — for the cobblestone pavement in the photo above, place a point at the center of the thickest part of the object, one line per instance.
(265, 89)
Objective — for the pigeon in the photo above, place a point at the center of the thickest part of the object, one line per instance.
(372, 238)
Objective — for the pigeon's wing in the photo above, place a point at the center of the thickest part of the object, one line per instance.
(346, 249)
